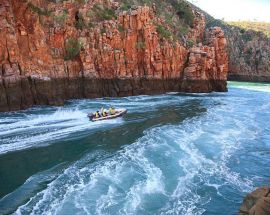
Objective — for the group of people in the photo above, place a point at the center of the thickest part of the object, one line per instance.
(104, 112)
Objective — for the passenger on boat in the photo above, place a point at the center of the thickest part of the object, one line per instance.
(97, 115)
(104, 112)
(112, 110)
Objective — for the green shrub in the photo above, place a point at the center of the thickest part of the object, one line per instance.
(256, 26)
(80, 1)
(103, 13)
(102, 30)
(91, 25)
(121, 28)
(249, 51)
(163, 32)
(61, 19)
(183, 30)
(39, 11)
(140, 45)
(90, 14)
(247, 37)
(125, 6)
(73, 48)
(184, 11)
(169, 19)
(190, 43)
(79, 24)
(146, 2)
(242, 31)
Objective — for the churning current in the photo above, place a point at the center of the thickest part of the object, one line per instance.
(187, 154)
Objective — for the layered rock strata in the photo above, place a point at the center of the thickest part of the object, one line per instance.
(50, 52)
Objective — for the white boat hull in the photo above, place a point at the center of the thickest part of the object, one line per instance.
(118, 113)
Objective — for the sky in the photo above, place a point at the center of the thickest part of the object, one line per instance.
(234, 10)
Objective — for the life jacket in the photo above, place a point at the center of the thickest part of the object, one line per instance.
(97, 115)
(112, 111)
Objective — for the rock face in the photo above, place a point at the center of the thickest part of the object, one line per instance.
(256, 203)
(208, 62)
(50, 52)
(249, 55)
(248, 50)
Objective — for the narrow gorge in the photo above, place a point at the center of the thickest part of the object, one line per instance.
(134, 107)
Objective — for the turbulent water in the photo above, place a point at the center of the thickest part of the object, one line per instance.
(170, 154)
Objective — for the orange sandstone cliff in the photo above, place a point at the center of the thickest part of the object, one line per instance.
(53, 51)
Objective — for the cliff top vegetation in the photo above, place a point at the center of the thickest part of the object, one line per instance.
(253, 25)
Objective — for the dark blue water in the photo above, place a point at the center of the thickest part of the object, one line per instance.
(171, 154)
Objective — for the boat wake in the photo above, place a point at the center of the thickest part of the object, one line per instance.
(33, 130)
(171, 154)
(137, 177)
(27, 129)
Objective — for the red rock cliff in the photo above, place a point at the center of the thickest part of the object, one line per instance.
(45, 58)
(207, 62)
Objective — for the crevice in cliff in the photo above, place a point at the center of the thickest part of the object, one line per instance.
(66, 70)
(83, 81)
(32, 89)
(182, 73)
(6, 93)
(140, 51)
(3, 93)
(115, 63)
(125, 61)
(1, 71)
(257, 60)
(20, 69)
(8, 58)
(22, 92)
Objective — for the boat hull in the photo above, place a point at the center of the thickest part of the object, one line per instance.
(118, 113)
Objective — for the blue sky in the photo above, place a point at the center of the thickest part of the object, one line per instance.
(234, 10)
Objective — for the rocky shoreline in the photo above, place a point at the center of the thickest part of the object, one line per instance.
(257, 202)
(28, 92)
(249, 78)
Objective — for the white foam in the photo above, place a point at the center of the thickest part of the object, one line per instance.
(196, 165)
(250, 86)
(39, 130)
(22, 130)
(115, 171)
(200, 148)
(105, 181)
